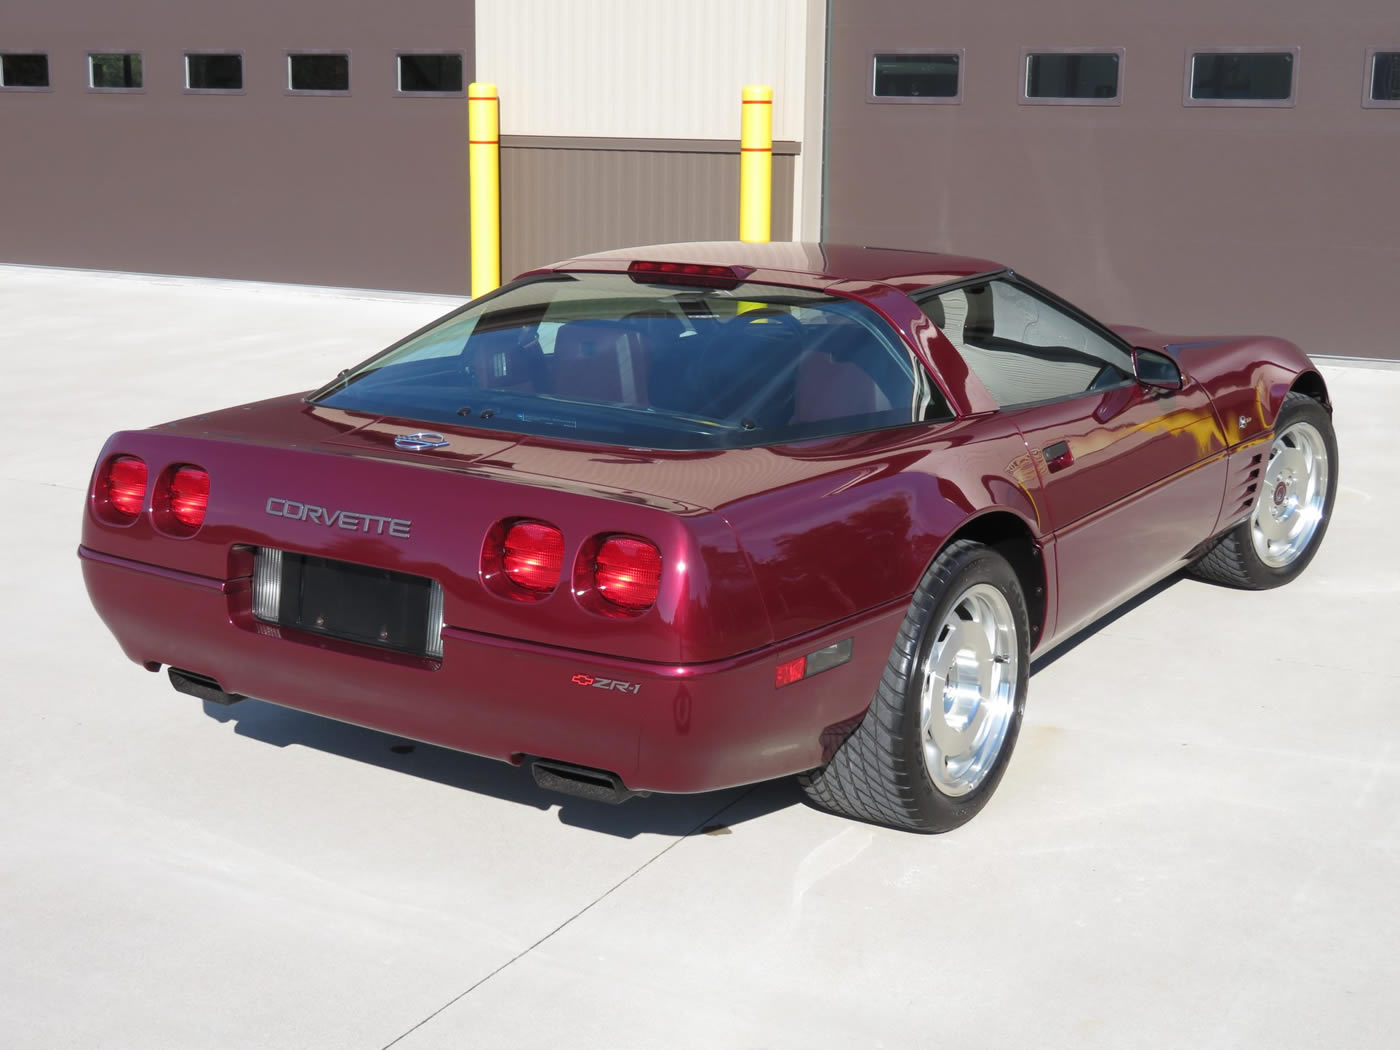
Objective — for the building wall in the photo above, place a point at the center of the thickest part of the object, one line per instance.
(1195, 219)
(620, 122)
(641, 68)
(629, 111)
(367, 189)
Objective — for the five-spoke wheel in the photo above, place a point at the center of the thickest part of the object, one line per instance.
(968, 691)
(1292, 504)
(931, 749)
(1293, 497)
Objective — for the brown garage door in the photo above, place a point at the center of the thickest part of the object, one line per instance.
(357, 177)
(1175, 166)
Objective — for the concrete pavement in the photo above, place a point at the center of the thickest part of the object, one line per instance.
(1197, 842)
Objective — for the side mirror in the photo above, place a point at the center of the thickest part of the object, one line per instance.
(1154, 369)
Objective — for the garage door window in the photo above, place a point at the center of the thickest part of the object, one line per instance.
(214, 73)
(1075, 78)
(1241, 78)
(115, 71)
(922, 76)
(318, 73)
(1382, 79)
(24, 72)
(430, 73)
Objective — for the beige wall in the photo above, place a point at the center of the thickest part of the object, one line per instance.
(641, 68)
(1209, 220)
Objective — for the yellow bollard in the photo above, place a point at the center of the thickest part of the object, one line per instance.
(484, 169)
(756, 165)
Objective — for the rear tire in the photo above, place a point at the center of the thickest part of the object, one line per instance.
(936, 739)
(1291, 510)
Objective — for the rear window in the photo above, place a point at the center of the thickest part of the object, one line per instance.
(601, 358)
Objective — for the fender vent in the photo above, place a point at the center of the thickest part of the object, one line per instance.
(1244, 485)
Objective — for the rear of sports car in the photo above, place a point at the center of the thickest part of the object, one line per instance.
(501, 536)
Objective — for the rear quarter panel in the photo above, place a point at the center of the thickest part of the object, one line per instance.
(861, 533)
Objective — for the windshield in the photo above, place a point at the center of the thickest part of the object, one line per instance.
(602, 358)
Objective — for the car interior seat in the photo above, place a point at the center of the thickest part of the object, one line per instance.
(746, 369)
(834, 378)
(600, 361)
(506, 359)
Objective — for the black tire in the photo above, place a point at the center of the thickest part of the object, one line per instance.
(1233, 560)
(878, 773)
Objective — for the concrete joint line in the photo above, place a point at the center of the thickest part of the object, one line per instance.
(587, 907)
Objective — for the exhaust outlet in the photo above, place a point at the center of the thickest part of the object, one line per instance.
(599, 785)
(201, 686)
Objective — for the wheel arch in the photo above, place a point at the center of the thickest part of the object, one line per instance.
(1009, 535)
(1310, 382)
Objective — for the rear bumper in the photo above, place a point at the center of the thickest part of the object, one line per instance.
(661, 728)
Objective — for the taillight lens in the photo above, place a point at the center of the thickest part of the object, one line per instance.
(533, 555)
(790, 671)
(124, 486)
(189, 495)
(627, 572)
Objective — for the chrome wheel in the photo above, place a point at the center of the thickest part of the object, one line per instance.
(969, 690)
(1289, 507)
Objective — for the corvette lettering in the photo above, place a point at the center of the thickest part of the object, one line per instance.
(351, 521)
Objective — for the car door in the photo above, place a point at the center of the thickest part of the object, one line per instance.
(1133, 475)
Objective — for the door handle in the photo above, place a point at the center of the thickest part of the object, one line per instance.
(1058, 456)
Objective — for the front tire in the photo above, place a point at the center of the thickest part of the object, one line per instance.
(936, 739)
(1291, 510)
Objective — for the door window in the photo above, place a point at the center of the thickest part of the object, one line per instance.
(1023, 348)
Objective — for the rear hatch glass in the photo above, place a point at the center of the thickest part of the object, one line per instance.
(606, 359)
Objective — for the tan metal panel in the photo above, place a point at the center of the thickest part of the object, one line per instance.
(557, 203)
(641, 68)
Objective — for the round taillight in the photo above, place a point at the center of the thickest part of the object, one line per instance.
(189, 495)
(627, 572)
(533, 555)
(124, 486)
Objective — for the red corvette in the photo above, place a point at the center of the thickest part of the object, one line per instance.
(693, 516)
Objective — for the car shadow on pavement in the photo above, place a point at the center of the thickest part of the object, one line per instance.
(675, 815)
(1043, 661)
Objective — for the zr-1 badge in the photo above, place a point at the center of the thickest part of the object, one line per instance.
(606, 683)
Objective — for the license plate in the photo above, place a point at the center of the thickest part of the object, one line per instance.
(355, 603)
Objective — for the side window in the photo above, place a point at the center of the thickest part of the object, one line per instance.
(1021, 347)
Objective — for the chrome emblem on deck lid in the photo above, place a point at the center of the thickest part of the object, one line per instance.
(419, 441)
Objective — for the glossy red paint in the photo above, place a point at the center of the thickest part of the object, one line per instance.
(765, 553)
